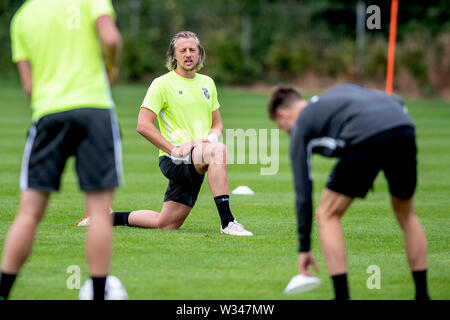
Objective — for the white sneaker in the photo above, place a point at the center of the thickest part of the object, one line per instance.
(235, 229)
(85, 221)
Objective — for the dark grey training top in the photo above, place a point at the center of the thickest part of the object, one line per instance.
(341, 117)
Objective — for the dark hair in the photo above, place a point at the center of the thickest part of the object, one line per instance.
(283, 97)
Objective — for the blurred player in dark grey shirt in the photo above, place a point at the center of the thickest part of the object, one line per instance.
(369, 131)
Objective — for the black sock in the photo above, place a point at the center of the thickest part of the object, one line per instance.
(420, 280)
(121, 218)
(98, 283)
(6, 282)
(340, 286)
(223, 206)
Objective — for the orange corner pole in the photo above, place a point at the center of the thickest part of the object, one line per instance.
(391, 49)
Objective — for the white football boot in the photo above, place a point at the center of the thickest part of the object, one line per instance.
(235, 229)
(85, 221)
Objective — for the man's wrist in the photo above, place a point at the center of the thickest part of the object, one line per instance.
(213, 137)
(305, 245)
(175, 152)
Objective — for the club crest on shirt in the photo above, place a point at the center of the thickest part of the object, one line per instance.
(206, 93)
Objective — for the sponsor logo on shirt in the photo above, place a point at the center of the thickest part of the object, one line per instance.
(206, 93)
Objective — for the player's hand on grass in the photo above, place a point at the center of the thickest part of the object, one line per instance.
(306, 259)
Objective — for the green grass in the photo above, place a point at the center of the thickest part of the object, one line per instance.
(196, 262)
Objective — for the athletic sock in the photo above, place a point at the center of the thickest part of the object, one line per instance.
(340, 286)
(6, 282)
(121, 218)
(98, 283)
(223, 206)
(420, 280)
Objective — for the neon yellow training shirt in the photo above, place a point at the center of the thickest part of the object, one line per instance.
(184, 106)
(59, 39)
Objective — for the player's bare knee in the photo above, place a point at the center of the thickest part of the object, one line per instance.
(325, 214)
(31, 214)
(321, 215)
(171, 226)
(405, 217)
(219, 153)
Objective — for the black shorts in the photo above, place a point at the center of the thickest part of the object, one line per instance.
(184, 181)
(393, 151)
(90, 134)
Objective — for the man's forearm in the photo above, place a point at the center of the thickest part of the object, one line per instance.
(24, 68)
(111, 56)
(216, 127)
(111, 45)
(303, 189)
(215, 133)
(152, 134)
(304, 220)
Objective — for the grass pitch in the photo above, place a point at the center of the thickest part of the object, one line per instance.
(196, 262)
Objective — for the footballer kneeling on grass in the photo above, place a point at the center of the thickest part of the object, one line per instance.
(186, 106)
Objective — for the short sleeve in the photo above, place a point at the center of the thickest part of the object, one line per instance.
(214, 100)
(102, 7)
(18, 48)
(154, 99)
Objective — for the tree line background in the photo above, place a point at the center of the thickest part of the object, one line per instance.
(254, 42)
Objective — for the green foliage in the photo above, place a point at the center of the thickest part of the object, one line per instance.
(250, 41)
(337, 59)
(7, 9)
(225, 58)
(414, 62)
(289, 57)
(376, 59)
(439, 60)
(140, 60)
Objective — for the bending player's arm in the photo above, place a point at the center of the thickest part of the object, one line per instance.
(304, 208)
(216, 128)
(24, 68)
(111, 45)
(303, 189)
(147, 128)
